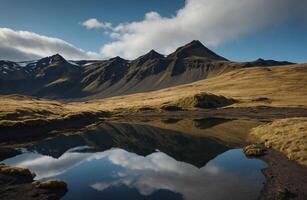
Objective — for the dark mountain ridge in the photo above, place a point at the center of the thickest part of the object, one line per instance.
(195, 48)
(57, 78)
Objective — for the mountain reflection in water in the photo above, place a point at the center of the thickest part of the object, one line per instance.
(129, 161)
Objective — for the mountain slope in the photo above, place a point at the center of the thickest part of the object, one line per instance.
(54, 77)
(257, 87)
(282, 86)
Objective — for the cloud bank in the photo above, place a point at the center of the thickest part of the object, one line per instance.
(24, 45)
(211, 21)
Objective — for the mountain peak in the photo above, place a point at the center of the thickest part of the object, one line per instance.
(195, 43)
(117, 60)
(54, 59)
(195, 48)
(57, 58)
(153, 54)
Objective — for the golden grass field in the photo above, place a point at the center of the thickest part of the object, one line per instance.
(285, 135)
(284, 86)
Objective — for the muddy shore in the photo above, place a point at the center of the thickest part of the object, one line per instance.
(285, 179)
(38, 128)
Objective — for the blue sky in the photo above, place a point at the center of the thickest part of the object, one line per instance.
(278, 33)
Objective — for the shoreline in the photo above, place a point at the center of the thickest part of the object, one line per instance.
(285, 179)
(38, 127)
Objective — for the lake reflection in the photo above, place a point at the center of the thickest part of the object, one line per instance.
(142, 171)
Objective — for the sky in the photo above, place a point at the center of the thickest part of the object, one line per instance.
(239, 30)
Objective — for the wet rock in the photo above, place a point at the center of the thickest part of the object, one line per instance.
(17, 183)
(16, 171)
(51, 184)
(254, 150)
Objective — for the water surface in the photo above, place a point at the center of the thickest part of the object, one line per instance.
(129, 161)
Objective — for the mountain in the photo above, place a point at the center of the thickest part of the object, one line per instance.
(58, 78)
(196, 49)
(140, 139)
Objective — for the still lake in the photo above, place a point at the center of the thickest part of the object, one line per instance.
(135, 161)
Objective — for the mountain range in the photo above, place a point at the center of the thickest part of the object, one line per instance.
(57, 78)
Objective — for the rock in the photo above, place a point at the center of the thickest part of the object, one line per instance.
(51, 184)
(18, 171)
(284, 193)
(262, 99)
(254, 150)
(171, 108)
(17, 183)
(205, 100)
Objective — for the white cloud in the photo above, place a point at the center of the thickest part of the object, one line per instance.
(24, 45)
(160, 171)
(211, 21)
(93, 23)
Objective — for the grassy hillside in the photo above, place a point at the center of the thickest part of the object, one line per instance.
(283, 86)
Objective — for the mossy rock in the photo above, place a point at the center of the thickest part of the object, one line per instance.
(17, 171)
(51, 184)
(205, 100)
(254, 150)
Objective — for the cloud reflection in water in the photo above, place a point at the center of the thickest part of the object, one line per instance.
(238, 178)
